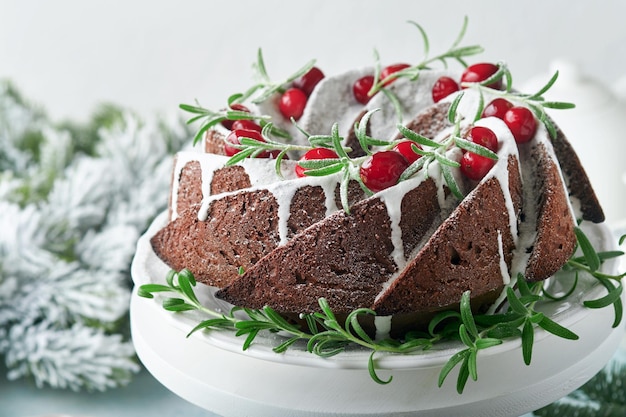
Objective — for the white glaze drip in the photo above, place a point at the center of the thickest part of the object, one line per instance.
(504, 269)
(383, 326)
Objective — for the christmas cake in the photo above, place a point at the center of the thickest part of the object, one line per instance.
(397, 190)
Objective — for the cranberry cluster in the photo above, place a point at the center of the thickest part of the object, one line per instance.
(293, 101)
(291, 104)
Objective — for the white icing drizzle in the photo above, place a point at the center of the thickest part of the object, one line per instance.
(504, 269)
(392, 198)
(500, 170)
(383, 326)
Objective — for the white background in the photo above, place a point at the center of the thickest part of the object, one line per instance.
(68, 55)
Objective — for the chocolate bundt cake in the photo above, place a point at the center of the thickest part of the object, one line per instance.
(399, 200)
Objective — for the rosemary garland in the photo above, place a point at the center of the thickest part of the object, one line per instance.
(326, 336)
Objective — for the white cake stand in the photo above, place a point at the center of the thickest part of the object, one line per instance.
(211, 370)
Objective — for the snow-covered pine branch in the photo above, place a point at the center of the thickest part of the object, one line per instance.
(73, 201)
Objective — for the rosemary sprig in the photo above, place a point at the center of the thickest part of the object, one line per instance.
(326, 336)
(257, 93)
(455, 52)
(535, 102)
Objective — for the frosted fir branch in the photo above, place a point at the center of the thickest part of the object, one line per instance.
(74, 199)
(77, 357)
(110, 249)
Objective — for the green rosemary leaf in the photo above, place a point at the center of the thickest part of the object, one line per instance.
(169, 278)
(200, 133)
(556, 329)
(504, 331)
(192, 109)
(461, 34)
(590, 254)
(451, 364)
(528, 339)
(487, 342)
(177, 304)
(286, 344)
(472, 365)
(522, 286)
(186, 281)
(260, 66)
(360, 131)
(303, 70)
(371, 367)
(566, 294)
(279, 161)
(465, 336)
(352, 322)
(146, 290)
(278, 320)
(311, 323)
(475, 148)
(451, 182)
(546, 87)
(465, 51)
(321, 141)
(467, 316)
(560, 105)
(423, 343)
(614, 294)
(464, 373)
(416, 137)
(240, 156)
(413, 168)
(425, 41)
(487, 320)
(444, 161)
(395, 101)
(453, 108)
(481, 106)
(211, 324)
(516, 305)
(508, 78)
(250, 338)
(440, 318)
(234, 98)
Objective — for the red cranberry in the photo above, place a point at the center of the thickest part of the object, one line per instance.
(228, 124)
(405, 148)
(443, 87)
(245, 124)
(308, 81)
(522, 123)
(382, 170)
(475, 166)
(315, 153)
(292, 103)
(483, 136)
(234, 138)
(361, 87)
(480, 72)
(391, 69)
(496, 108)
